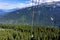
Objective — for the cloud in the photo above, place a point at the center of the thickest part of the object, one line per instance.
(17, 5)
(37, 1)
(5, 5)
(44, 0)
(23, 5)
(51, 0)
(56, 0)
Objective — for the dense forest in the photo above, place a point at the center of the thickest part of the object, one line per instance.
(25, 32)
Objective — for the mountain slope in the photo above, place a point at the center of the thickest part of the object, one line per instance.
(42, 15)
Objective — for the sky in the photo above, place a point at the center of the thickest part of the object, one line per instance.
(11, 4)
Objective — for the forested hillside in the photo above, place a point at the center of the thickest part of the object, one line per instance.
(25, 32)
(42, 15)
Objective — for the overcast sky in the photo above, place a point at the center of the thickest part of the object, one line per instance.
(10, 4)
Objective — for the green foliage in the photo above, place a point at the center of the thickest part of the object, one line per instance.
(24, 32)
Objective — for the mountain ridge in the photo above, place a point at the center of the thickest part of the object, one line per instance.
(42, 16)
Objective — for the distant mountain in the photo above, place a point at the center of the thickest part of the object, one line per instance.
(6, 11)
(11, 10)
(1, 12)
(44, 14)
